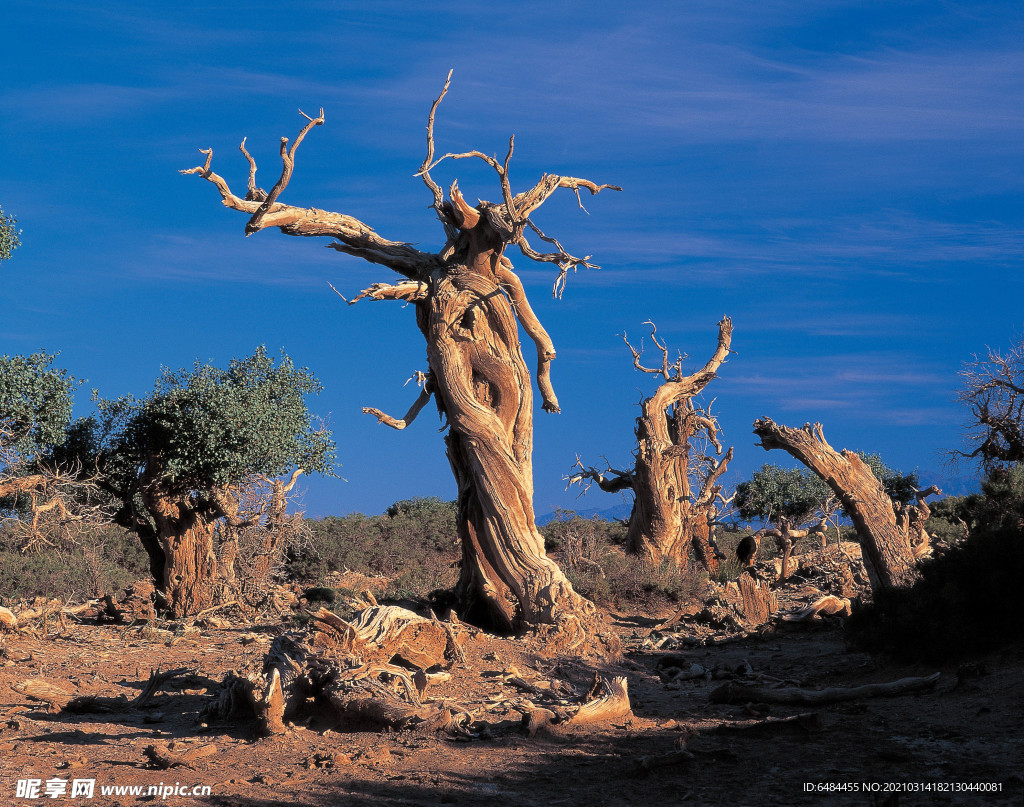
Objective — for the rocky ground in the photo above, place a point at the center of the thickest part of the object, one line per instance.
(957, 741)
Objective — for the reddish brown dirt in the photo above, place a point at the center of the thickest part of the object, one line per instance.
(967, 731)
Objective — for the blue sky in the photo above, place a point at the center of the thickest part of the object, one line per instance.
(843, 179)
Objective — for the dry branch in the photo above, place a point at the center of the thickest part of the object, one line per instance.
(733, 692)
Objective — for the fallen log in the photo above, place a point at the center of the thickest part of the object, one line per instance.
(164, 756)
(733, 692)
(824, 606)
(37, 689)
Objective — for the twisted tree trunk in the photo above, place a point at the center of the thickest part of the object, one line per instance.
(468, 301)
(670, 520)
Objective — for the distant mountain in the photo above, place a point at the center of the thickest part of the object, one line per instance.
(950, 484)
(618, 512)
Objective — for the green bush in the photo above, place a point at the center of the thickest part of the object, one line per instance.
(414, 544)
(592, 555)
(101, 560)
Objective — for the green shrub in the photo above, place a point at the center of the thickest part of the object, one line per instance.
(99, 561)
(414, 544)
(592, 555)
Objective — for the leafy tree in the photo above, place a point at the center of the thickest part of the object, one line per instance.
(9, 235)
(176, 460)
(799, 495)
(35, 406)
(775, 493)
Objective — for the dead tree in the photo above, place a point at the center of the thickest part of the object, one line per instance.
(675, 486)
(468, 301)
(993, 390)
(256, 531)
(885, 540)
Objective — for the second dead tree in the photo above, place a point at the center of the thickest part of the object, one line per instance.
(675, 486)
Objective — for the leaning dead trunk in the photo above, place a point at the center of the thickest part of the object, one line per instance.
(887, 552)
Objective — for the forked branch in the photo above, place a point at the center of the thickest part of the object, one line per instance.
(610, 480)
(352, 236)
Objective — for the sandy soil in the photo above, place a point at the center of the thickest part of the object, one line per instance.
(966, 731)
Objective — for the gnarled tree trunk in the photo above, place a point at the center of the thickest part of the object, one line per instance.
(888, 556)
(181, 551)
(468, 301)
(669, 520)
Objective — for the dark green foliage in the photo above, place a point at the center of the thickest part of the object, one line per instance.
(209, 428)
(323, 594)
(591, 553)
(414, 544)
(9, 235)
(773, 493)
(800, 495)
(35, 404)
(899, 487)
(967, 600)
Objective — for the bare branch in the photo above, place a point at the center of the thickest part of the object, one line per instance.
(513, 286)
(711, 489)
(439, 204)
(287, 166)
(418, 405)
(619, 481)
(993, 389)
(353, 236)
(255, 194)
(409, 291)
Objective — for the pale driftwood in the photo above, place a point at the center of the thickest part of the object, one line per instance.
(805, 721)
(168, 756)
(348, 667)
(743, 693)
(382, 633)
(40, 611)
(610, 700)
(674, 485)
(8, 621)
(156, 680)
(888, 556)
(828, 605)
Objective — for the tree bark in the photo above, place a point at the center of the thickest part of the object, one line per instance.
(887, 552)
(484, 389)
(669, 521)
(181, 548)
(468, 301)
